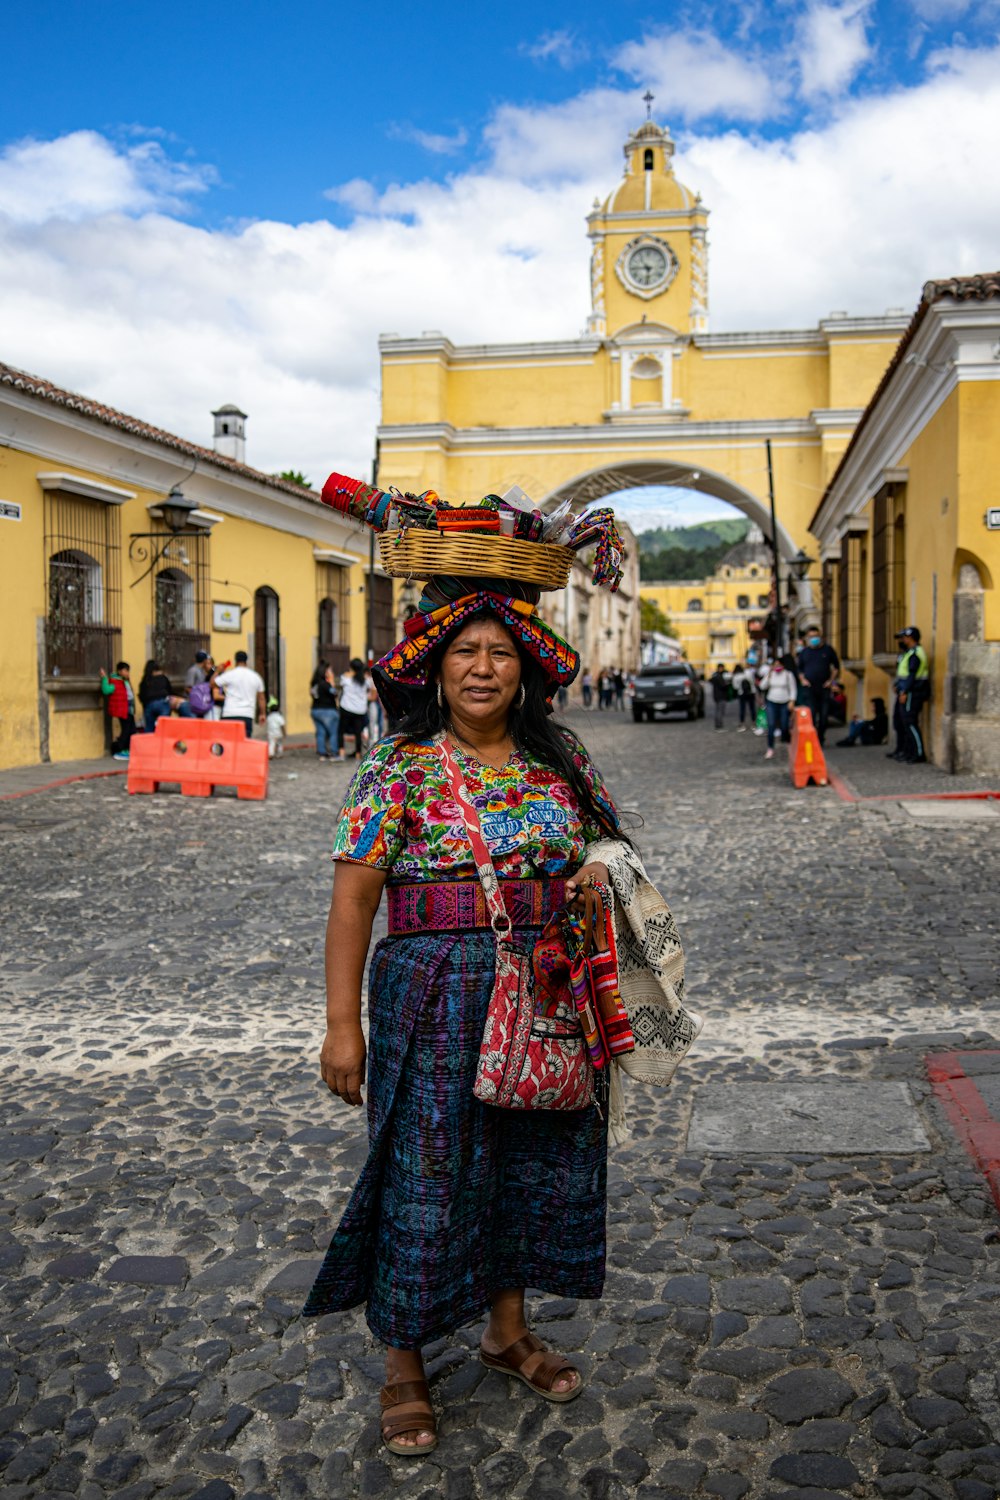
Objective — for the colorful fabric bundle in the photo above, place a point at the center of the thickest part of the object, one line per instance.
(599, 528)
(468, 518)
(593, 978)
(405, 666)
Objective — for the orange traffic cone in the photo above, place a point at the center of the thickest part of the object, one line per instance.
(805, 754)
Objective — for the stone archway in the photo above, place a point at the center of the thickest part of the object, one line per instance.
(596, 484)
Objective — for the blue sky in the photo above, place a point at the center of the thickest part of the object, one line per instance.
(199, 205)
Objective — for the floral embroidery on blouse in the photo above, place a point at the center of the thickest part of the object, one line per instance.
(400, 816)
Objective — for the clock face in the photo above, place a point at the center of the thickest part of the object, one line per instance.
(648, 265)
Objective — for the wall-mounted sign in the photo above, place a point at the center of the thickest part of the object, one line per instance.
(226, 617)
(11, 511)
(993, 518)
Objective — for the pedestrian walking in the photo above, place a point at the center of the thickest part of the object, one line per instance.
(743, 685)
(562, 697)
(719, 683)
(607, 690)
(119, 700)
(873, 731)
(818, 665)
(354, 707)
(158, 698)
(587, 688)
(618, 677)
(912, 689)
(275, 725)
(324, 712)
(462, 1203)
(778, 683)
(244, 690)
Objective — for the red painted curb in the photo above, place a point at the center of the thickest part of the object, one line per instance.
(844, 792)
(50, 786)
(967, 1113)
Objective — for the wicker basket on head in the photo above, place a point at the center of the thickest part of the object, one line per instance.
(416, 553)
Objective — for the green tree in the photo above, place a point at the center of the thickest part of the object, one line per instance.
(651, 617)
(295, 476)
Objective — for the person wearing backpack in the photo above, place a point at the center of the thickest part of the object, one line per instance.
(198, 685)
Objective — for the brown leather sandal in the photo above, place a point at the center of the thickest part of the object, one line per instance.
(544, 1372)
(410, 1402)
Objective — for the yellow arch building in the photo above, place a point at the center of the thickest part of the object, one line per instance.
(646, 395)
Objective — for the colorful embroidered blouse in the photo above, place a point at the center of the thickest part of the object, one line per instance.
(400, 816)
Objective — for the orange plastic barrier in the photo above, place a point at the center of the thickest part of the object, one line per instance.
(200, 754)
(805, 754)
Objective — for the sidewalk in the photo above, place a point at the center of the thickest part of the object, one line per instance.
(867, 772)
(21, 781)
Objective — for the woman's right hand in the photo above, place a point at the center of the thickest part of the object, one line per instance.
(342, 1061)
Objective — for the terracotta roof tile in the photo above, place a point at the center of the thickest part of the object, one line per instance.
(44, 390)
(981, 288)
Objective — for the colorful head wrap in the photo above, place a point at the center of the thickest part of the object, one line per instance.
(405, 667)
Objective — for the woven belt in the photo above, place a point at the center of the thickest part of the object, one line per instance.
(459, 905)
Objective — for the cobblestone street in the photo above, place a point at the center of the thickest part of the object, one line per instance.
(776, 1322)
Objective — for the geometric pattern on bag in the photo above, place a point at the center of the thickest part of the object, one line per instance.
(532, 1055)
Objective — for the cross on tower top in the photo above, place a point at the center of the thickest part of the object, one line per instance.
(647, 99)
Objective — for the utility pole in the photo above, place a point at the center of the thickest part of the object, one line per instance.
(370, 648)
(779, 618)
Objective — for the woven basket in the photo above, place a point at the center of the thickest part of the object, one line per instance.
(415, 553)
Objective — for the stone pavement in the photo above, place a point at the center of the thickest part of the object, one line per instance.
(783, 1316)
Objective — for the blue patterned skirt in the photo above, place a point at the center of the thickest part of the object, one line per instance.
(457, 1199)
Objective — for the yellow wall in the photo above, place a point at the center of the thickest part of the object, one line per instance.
(720, 612)
(950, 466)
(248, 553)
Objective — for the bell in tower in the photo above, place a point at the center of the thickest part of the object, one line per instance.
(650, 249)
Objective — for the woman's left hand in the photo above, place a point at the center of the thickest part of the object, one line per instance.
(583, 877)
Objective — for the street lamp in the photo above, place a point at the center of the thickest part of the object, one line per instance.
(799, 565)
(176, 511)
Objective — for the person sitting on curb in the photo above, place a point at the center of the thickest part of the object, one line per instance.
(120, 702)
(158, 697)
(873, 731)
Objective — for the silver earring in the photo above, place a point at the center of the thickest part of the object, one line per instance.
(520, 697)
(440, 698)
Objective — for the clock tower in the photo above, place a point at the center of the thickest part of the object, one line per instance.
(649, 263)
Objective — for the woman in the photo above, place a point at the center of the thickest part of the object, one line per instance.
(158, 697)
(460, 1205)
(354, 706)
(746, 693)
(779, 685)
(323, 713)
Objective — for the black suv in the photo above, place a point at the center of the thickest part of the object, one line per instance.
(669, 687)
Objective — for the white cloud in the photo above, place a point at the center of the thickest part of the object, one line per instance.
(694, 76)
(833, 45)
(167, 320)
(82, 174)
(440, 145)
(562, 47)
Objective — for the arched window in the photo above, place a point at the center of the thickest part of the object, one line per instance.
(762, 601)
(753, 571)
(647, 159)
(175, 634)
(694, 606)
(647, 373)
(742, 601)
(82, 584)
(75, 634)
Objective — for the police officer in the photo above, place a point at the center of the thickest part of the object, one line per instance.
(912, 689)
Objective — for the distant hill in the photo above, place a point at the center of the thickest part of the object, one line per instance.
(671, 552)
(693, 538)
